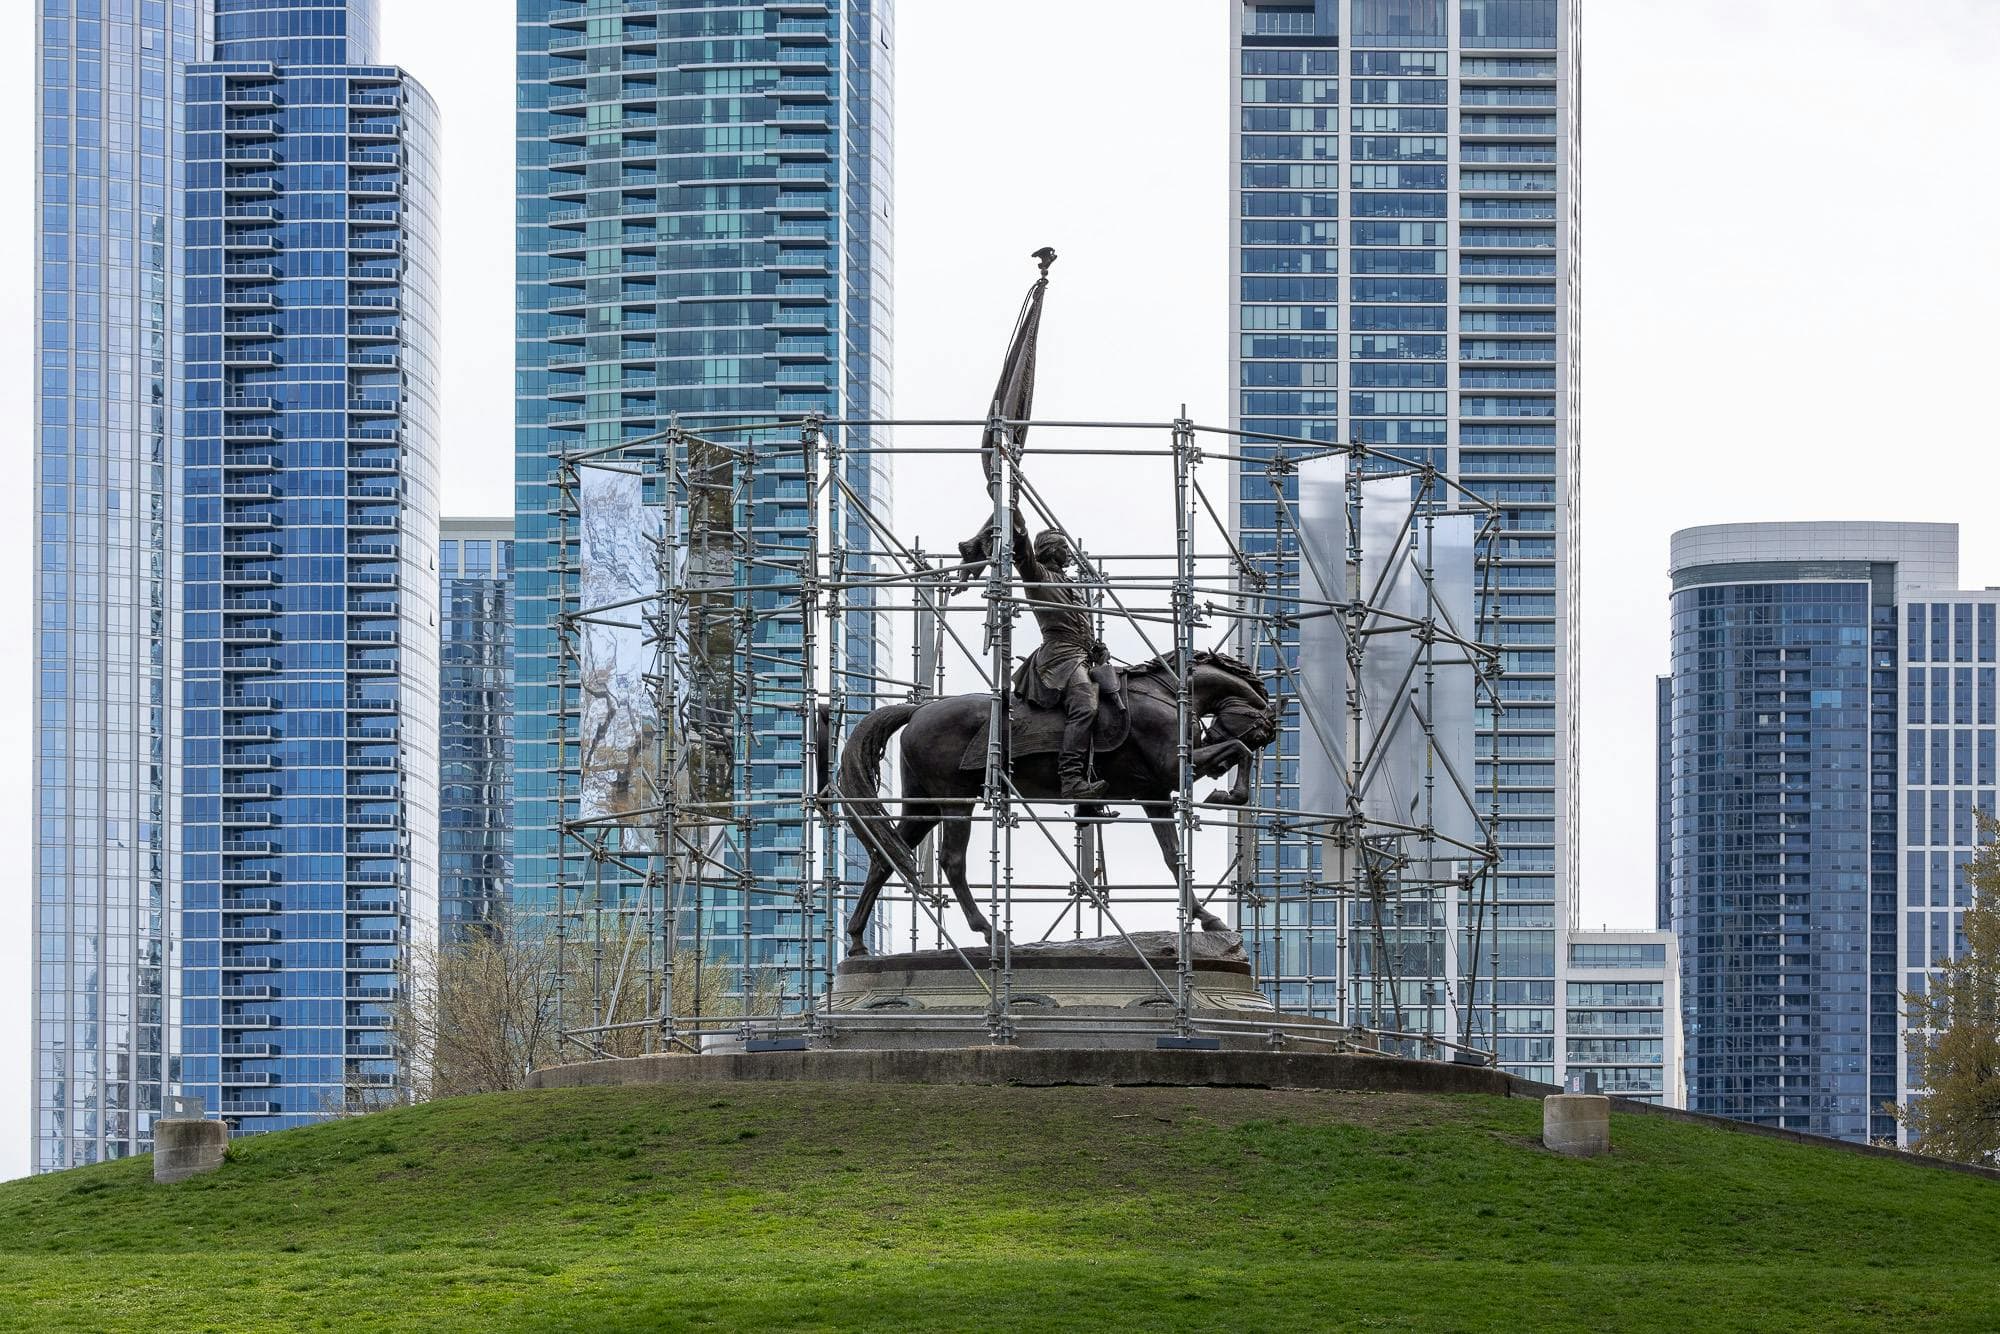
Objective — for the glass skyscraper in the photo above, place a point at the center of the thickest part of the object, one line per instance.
(107, 483)
(1405, 267)
(1829, 736)
(704, 231)
(310, 715)
(475, 723)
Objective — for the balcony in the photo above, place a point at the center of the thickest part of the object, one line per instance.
(254, 790)
(258, 1107)
(261, 991)
(382, 301)
(244, 1078)
(366, 665)
(373, 215)
(249, 187)
(250, 704)
(361, 935)
(368, 129)
(250, 99)
(375, 97)
(374, 273)
(374, 405)
(249, 1049)
(250, 155)
(250, 907)
(249, 127)
(237, 298)
(249, 358)
(250, 519)
(249, 1021)
(252, 662)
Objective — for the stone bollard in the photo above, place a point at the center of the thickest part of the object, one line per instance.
(185, 1143)
(1577, 1124)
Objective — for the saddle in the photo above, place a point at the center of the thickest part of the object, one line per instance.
(1034, 731)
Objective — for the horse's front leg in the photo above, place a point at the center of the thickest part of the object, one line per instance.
(1218, 758)
(1160, 817)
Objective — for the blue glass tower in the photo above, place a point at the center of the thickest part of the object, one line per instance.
(1829, 736)
(1406, 263)
(108, 173)
(310, 526)
(703, 203)
(475, 723)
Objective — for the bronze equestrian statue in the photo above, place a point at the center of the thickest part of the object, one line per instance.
(944, 747)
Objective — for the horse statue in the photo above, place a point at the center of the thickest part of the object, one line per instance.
(1137, 756)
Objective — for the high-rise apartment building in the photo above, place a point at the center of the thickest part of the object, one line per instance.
(475, 723)
(107, 484)
(310, 698)
(1830, 737)
(704, 229)
(1405, 269)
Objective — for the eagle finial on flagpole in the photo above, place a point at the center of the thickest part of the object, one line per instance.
(1046, 256)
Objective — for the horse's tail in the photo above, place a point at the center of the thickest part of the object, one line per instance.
(857, 784)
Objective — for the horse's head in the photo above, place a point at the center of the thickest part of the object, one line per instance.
(1255, 725)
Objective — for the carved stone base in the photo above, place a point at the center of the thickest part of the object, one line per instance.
(1091, 989)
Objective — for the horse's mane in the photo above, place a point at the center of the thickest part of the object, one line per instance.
(1163, 665)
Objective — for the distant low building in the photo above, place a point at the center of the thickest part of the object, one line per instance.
(475, 722)
(1621, 1015)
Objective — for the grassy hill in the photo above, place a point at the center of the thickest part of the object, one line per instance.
(804, 1206)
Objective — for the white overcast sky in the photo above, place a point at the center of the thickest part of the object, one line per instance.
(1790, 285)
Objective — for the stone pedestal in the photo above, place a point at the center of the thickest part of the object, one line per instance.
(1100, 992)
(186, 1147)
(1577, 1124)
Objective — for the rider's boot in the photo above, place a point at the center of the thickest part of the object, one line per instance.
(1079, 712)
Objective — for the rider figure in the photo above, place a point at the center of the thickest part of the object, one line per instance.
(1058, 674)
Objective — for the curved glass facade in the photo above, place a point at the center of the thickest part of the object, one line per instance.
(1782, 748)
(311, 625)
(108, 176)
(703, 196)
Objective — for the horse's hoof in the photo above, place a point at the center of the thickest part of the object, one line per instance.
(1224, 797)
(857, 950)
(1210, 922)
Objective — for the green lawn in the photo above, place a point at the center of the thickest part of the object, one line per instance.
(810, 1206)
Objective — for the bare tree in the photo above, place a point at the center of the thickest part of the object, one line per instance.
(1954, 1032)
(475, 1016)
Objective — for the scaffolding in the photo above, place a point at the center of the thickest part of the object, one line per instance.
(713, 581)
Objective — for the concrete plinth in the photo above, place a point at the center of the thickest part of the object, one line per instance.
(185, 1147)
(1577, 1124)
(1102, 991)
